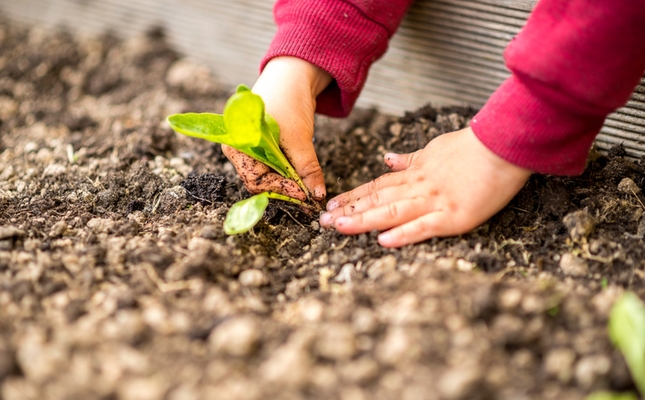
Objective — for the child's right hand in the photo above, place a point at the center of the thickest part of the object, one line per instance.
(289, 87)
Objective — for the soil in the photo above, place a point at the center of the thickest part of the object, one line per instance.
(117, 281)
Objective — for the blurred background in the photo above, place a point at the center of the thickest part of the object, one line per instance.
(446, 51)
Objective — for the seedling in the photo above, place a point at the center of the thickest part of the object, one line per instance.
(246, 127)
(244, 214)
(627, 332)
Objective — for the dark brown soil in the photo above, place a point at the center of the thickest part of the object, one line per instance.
(117, 282)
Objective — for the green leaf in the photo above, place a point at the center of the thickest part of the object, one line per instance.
(244, 214)
(272, 126)
(611, 396)
(242, 88)
(244, 126)
(243, 115)
(205, 126)
(627, 331)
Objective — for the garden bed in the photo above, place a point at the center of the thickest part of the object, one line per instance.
(117, 281)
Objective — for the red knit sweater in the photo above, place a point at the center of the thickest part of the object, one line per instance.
(574, 62)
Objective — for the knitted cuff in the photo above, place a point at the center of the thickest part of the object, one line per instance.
(335, 36)
(537, 128)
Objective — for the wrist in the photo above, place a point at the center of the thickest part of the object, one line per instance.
(284, 70)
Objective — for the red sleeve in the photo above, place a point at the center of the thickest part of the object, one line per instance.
(343, 37)
(574, 62)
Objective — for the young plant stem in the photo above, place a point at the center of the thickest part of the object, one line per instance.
(278, 196)
(274, 149)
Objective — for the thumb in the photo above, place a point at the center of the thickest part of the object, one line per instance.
(302, 155)
(399, 162)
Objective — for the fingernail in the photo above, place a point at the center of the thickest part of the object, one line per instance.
(326, 219)
(332, 205)
(384, 237)
(387, 158)
(319, 192)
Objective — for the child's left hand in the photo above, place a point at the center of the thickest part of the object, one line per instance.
(448, 188)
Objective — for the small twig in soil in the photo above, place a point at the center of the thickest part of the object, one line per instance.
(605, 260)
(638, 198)
(521, 209)
(96, 184)
(340, 247)
(197, 197)
(71, 157)
(295, 220)
(168, 287)
(180, 250)
(501, 274)
(287, 240)
(507, 242)
(323, 279)
(156, 202)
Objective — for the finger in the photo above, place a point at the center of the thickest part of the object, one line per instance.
(302, 156)
(391, 179)
(296, 122)
(258, 178)
(375, 200)
(422, 228)
(399, 162)
(384, 217)
(273, 182)
(247, 167)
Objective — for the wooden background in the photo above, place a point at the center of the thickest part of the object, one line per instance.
(446, 51)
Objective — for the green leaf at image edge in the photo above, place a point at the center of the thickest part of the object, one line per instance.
(243, 215)
(611, 396)
(627, 331)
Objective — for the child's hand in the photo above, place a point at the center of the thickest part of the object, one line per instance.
(448, 188)
(289, 87)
